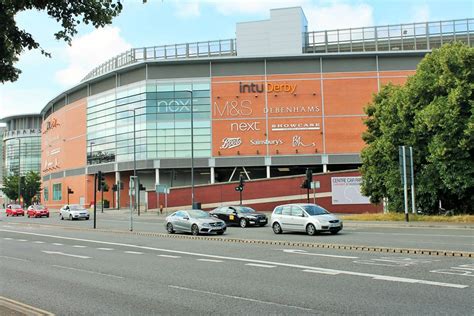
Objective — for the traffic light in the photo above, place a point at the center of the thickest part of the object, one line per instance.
(241, 181)
(114, 188)
(141, 187)
(305, 184)
(309, 176)
(69, 191)
(100, 181)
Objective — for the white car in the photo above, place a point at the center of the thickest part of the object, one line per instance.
(73, 211)
(309, 218)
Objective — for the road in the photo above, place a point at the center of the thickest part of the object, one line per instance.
(380, 235)
(85, 272)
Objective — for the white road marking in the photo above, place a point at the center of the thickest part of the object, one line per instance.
(21, 240)
(8, 238)
(57, 244)
(13, 258)
(79, 246)
(210, 260)
(463, 269)
(106, 249)
(259, 265)
(38, 242)
(87, 271)
(134, 252)
(298, 266)
(394, 261)
(321, 272)
(304, 252)
(402, 234)
(65, 254)
(169, 256)
(239, 298)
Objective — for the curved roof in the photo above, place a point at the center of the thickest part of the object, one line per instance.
(6, 119)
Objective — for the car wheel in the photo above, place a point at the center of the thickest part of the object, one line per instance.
(220, 233)
(195, 230)
(169, 228)
(87, 218)
(311, 230)
(61, 217)
(70, 217)
(47, 216)
(28, 215)
(261, 225)
(334, 232)
(277, 228)
(243, 222)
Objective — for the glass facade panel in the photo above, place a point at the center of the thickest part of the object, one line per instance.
(57, 192)
(46, 194)
(22, 155)
(162, 112)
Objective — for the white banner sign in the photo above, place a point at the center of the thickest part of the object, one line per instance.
(346, 190)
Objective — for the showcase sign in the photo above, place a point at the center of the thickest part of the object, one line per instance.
(346, 190)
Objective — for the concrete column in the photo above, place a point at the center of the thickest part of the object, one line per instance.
(157, 176)
(268, 172)
(325, 168)
(212, 175)
(117, 193)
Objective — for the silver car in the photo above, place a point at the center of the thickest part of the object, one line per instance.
(310, 218)
(73, 211)
(195, 222)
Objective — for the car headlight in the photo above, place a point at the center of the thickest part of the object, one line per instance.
(251, 217)
(206, 225)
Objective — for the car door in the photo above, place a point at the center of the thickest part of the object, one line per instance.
(232, 215)
(297, 218)
(176, 220)
(187, 222)
(221, 214)
(285, 218)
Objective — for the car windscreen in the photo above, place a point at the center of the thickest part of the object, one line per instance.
(15, 207)
(76, 208)
(197, 214)
(314, 210)
(38, 207)
(242, 209)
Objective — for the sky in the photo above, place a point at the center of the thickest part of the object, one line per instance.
(160, 22)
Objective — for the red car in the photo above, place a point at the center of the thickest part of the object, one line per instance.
(37, 211)
(15, 210)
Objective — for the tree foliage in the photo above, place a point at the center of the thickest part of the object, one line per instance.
(30, 186)
(434, 113)
(69, 13)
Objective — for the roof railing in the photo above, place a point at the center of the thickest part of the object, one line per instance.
(225, 47)
(400, 37)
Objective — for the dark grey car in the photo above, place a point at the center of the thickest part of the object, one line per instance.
(195, 222)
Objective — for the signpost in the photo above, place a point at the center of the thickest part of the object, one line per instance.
(315, 185)
(405, 156)
(132, 193)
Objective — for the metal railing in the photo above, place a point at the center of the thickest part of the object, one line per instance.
(400, 37)
(176, 51)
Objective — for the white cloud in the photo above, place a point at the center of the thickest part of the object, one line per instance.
(89, 51)
(421, 13)
(227, 7)
(187, 9)
(22, 100)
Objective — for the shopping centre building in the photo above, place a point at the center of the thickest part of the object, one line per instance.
(274, 101)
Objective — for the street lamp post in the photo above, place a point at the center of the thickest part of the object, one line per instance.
(19, 170)
(192, 148)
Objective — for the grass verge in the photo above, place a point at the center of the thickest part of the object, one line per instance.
(414, 218)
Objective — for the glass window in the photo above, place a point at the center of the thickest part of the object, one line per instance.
(286, 210)
(315, 210)
(57, 192)
(296, 211)
(46, 194)
(278, 210)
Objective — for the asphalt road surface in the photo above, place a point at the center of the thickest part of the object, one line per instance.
(71, 272)
(378, 234)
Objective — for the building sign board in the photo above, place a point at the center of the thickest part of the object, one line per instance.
(346, 190)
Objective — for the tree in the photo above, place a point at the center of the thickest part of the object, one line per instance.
(13, 41)
(30, 186)
(434, 113)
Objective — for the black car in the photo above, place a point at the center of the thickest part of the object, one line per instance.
(240, 215)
